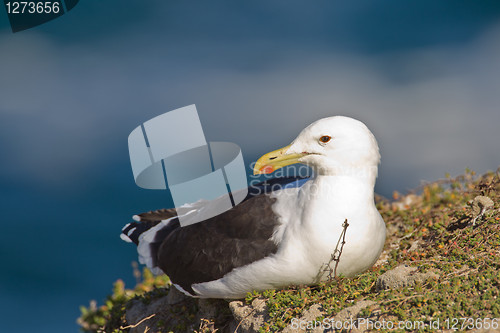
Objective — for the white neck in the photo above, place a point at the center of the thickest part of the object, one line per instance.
(342, 193)
(323, 194)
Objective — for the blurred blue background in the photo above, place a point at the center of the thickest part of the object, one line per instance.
(424, 76)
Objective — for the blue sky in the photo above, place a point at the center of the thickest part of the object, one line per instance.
(423, 76)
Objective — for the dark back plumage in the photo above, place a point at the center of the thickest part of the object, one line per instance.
(208, 250)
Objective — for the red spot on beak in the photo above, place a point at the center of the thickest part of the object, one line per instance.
(267, 169)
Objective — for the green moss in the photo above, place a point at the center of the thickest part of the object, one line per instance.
(110, 317)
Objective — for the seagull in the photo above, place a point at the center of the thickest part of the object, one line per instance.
(279, 235)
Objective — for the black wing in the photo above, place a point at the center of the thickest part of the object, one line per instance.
(208, 250)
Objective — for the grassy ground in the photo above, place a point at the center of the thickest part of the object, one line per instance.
(450, 227)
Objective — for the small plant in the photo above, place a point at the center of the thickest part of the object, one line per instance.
(110, 317)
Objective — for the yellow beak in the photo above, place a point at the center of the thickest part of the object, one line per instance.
(275, 160)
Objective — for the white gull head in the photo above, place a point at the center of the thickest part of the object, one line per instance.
(330, 146)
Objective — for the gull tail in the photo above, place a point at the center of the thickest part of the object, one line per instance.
(148, 232)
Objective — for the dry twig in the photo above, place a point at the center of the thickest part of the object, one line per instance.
(140, 322)
(332, 273)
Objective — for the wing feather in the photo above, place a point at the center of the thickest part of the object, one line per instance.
(208, 250)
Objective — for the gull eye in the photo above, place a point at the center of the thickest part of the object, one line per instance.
(325, 139)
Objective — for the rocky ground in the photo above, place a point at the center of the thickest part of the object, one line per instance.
(439, 272)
